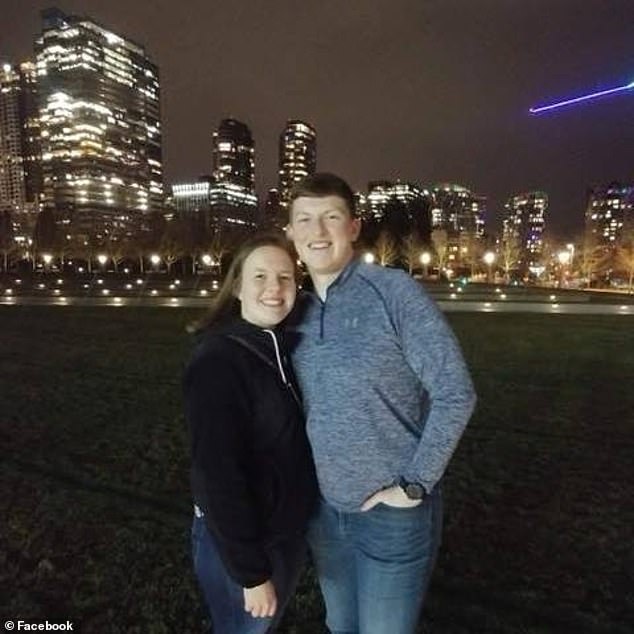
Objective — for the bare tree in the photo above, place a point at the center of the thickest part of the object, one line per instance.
(139, 250)
(440, 241)
(218, 248)
(117, 249)
(591, 256)
(510, 250)
(171, 248)
(45, 234)
(85, 249)
(471, 252)
(386, 250)
(547, 255)
(411, 250)
(7, 243)
(625, 256)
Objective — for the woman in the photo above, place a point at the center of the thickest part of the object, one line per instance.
(253, 479)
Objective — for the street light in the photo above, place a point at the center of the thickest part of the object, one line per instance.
(489, 259)
(47, 258)
(564, 259)
(425, 259)
(570, 247)
(368, 258)
(207, 260)
(102, 259)
(155, 259)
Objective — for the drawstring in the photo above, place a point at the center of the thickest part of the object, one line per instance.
(287, 383)
(277, 355)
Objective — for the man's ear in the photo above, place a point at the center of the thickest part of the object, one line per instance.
(356, 229)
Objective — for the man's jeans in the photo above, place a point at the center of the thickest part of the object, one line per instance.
(224, 596)
(374, 567)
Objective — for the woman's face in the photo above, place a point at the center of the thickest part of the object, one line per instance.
(267, 286)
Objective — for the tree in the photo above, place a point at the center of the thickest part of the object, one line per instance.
(85, 248)
(218, 248)
(591, 256)
(139, 250)
(510, 251)
(439, 240)
(45, 234)
(547, 255)
(471, 251)
(171, 247)
(197, 233)
(117, 249)
(7, 244)
(625, 256)
(386, 250)
(411, 249)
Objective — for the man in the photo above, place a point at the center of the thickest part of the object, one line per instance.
(387, 396)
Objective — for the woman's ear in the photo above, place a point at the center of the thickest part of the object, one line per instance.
(236, 290)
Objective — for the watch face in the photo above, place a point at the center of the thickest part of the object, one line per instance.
(414, 491)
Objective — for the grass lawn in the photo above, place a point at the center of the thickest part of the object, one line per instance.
(94, 476)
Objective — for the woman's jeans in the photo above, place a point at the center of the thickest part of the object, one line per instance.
(374, 567)
(224, 597)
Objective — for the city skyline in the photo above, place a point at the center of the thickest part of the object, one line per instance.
(362, 77)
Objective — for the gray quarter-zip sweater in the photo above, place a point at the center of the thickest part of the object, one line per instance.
(386, 389)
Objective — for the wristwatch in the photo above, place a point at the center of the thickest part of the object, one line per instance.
(413, 490)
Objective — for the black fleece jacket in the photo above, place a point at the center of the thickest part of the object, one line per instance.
(252, 470)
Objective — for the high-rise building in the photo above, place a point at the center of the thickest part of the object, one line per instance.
(191, 200)
(523, 223)
(31, 138)
(298, 155)
(232, 193)
(380, 193)
(99, 106)
(460, 214)
(609, 209)
(12, 180)
(401, 208)
(274, 215)
(458, 211)
(20, 173)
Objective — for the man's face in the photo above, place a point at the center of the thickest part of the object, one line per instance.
(323, 232)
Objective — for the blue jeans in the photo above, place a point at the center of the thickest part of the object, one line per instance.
(374, 567)
(224, 597)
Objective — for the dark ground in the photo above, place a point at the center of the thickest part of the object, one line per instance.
(95, 501)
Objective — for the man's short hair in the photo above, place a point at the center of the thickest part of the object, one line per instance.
(323, 184)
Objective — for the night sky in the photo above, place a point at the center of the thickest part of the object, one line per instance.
(429, 91)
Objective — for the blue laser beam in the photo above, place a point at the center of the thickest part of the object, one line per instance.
(569, 102)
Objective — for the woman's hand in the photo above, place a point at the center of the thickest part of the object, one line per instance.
(260, 601)
(392, 496)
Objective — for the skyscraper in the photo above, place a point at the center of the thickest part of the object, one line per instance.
(402, 208)
(99, 105)
(458, 211)
(609, 209)
(298, 155)
(191, 200)
(12, 181)
(524, 220)
(20, 174)
(31, 138)
(232, 193)
(460, 214)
